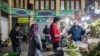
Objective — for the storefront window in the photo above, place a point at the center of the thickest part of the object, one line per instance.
(77, 5)
(52, 5)
(19, 3)
(47, 4)
(13, 3)
(36, 4)
(42, 4)
(72, 5)
(68, 5)
(62, 5)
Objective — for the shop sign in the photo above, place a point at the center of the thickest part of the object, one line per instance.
(20, 12)
(5, 8)
(41, 19)
(44, 13)
(66, 12)
(23, 20)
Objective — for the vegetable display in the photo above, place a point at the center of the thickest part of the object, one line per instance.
(71, 49)
(95, 51)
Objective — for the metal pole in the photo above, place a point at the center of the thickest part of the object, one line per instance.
(0, 32)
(0, 29)
(0, 21)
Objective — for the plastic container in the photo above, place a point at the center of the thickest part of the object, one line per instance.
(12, 54)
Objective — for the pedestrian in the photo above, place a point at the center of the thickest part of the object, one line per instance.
(55, 33)
(16, 37)
(35, 44)
(46, 31)
(63, 32)
(76, 32)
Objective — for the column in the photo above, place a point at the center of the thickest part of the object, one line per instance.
(25, 4)
(0, 26)
(33, 4)
(9, 23)
(0, 22)
(10, 17)
(31, 18)
(17, 4)
(83, 6)
(57, 7)
(31, 13)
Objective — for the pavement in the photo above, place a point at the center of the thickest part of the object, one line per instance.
(24, 51)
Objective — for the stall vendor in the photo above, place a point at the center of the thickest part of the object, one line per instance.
(76, 32)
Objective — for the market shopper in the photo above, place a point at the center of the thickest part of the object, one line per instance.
(55, 33)
(76, 32)
(35, 44)
(63, 31)
(46, 31)
(16, 37)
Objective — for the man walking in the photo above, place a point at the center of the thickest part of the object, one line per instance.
(46, 31)
(15, 36)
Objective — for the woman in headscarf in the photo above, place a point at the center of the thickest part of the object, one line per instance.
(35, 44)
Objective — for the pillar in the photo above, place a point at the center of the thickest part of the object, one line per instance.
(31, 18)
(9, 17)
(25, 4)
(0, 26)
(83, 6)
(57, 7)
(31, 13)
(17, 3)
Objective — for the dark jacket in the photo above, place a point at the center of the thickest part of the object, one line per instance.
(77, 32)
(46, 30)
(12, 35)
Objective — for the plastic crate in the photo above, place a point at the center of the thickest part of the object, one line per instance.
(12, 54)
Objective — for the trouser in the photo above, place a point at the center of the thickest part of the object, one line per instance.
(55, 45)
(61, 42)
(47, 38)
(16, 48)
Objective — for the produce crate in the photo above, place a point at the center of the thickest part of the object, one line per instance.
(12, 54)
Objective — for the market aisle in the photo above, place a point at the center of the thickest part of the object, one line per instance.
(24, 51)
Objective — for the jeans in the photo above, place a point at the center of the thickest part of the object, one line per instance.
(16, 48)
(47, 38)
(55, 45)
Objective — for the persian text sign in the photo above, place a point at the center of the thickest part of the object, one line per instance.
(20, 12)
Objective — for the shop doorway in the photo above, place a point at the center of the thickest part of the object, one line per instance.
(24, 27)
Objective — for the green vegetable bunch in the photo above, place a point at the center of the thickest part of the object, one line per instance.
(95, 51)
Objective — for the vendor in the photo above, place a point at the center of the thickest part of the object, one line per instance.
(76, 32)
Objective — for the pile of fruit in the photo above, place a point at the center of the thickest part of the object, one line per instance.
(71, 50)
